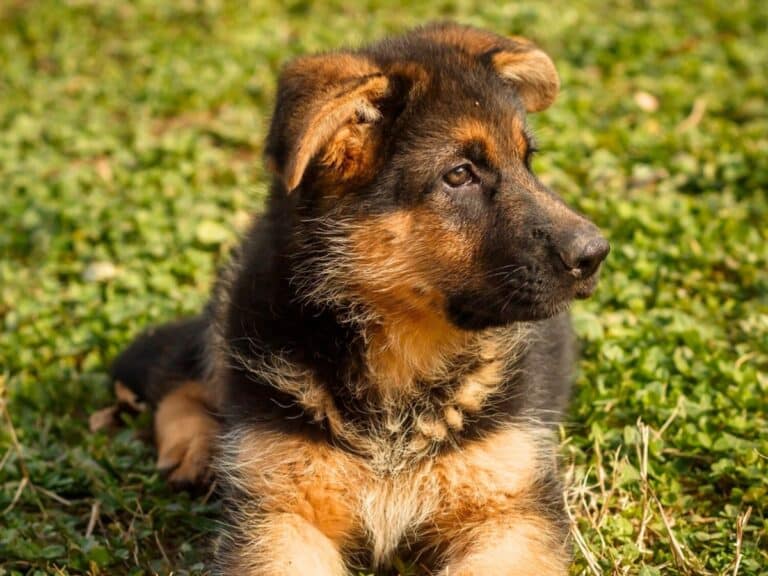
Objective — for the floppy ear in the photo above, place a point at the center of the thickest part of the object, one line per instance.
(323, 101)
(516, 59)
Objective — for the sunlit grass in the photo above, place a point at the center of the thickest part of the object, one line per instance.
(130, 154)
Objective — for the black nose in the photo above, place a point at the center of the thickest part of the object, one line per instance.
(583, 254)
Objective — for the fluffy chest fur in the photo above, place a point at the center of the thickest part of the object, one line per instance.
(373, 516)
(394, 425)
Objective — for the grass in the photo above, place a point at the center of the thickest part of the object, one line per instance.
(130, 146)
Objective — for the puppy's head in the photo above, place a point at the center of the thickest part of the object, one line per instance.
(408, 167)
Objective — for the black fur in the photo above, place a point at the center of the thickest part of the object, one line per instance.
(162, 358)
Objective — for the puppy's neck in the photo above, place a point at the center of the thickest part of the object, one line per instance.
(405, 349)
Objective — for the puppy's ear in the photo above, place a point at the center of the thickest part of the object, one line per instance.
(323, 103)
(515, 59)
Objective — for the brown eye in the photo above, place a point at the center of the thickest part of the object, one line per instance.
(459, 176)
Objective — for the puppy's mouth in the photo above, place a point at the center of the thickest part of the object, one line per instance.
(584, 288)
(554, 291)
(522, 300)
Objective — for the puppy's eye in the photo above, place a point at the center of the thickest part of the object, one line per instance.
(459, 176)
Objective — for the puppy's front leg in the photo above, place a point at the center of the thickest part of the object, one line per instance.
(289, 504)
(524, 547)
(280, 545)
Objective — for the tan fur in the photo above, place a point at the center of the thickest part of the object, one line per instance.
(294, 476)
(478, 500)
(453, 418)
(476, 386)
(303, 549)
(472, 130)
(393, 260)
(488, 514)
(490, 478)
(511, 136)
(384, 267)
(185, 432)
(330, 108)
(127, 397)
(380, 271)
(351, 155)
(533, 74)
(326, 122)
(327, 69)
(299, 503)
(523, 548)
(403, 350)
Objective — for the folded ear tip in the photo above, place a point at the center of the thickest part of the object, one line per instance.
(522, 40)
(549, 83)
(533, 73)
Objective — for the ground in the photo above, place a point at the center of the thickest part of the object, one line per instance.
(130, 157)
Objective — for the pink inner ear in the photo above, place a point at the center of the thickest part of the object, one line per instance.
(533, 73)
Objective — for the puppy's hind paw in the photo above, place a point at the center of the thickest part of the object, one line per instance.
(185, 432)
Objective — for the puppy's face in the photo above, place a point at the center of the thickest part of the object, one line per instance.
(411, 170)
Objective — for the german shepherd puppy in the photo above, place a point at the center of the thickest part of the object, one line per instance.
(381, 367)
